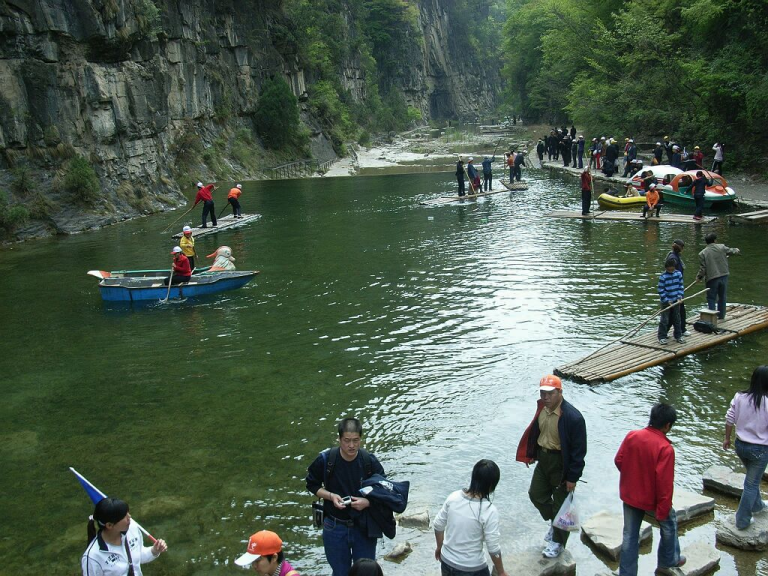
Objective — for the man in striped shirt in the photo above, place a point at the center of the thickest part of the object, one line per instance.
(670, 292)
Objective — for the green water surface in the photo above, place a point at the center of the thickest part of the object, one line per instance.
(432, 324)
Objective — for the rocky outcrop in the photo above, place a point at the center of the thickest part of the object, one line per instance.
(131, 85)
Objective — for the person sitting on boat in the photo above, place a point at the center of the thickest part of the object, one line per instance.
(187, 244)
(224, 259)
(234, 198)
(181, 269)
(631, 191)
(204, 195)
(651, 202)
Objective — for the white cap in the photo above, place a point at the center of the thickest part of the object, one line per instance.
(176, 250)
(658, 143)
(186, 229)
(631, 140)
(471, 159)
(239, 186)
(199, 184)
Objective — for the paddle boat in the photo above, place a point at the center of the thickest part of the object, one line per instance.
(717, 193)
(663, 173)
(135, 285)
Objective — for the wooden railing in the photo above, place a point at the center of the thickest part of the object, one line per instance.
(297, 169)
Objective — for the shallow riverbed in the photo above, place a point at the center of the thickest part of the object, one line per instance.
(433, 324)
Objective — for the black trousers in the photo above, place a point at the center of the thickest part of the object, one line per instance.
(462, 190)
(208, 208)
(235, 206)
(586, 201)
(176, 280)
(488, 181)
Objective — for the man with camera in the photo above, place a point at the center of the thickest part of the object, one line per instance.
(336, 477)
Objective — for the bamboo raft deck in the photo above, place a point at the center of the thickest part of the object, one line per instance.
(228, 222)
(757, 217)
(640, 352)
(631, 217)
(450, 199)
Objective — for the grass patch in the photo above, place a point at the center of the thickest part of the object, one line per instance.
(81, 181)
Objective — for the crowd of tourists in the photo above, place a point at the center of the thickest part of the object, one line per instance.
(356, 501)
(606, 154)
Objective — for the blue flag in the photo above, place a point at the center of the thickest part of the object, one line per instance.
(94, 493)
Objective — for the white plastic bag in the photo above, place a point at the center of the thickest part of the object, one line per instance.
(568, 516)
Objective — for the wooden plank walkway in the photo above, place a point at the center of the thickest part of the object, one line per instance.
(228, 222)
(757, 217)
(631, 217)
(640, 352)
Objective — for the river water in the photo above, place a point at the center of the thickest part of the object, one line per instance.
(432, 324)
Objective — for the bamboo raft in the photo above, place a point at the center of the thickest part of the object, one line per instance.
(631, 216)
(514, 186)
(757, 217)
(228, 222)
(450, 199)
(640, 352)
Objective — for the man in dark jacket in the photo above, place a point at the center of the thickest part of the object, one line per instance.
(488, 173)
(460, 176)
(556, 440)
(631, 157)
(518, 165)
(336, 476)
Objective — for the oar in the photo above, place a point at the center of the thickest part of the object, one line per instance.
(170, 280)
(177, 219)
(222, 212)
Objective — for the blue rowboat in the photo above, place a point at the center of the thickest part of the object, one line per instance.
(101, 274)
(144, 288)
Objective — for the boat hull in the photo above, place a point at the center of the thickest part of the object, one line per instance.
(710, 200)
(145, 289)
(610, 201)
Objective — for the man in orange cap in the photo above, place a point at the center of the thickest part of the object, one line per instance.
(265, 555)
(556, 440)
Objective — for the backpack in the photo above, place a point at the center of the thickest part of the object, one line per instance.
(329, 457)
(705, 327)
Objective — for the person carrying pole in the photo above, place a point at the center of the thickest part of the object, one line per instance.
(204, 195)
(234, 198)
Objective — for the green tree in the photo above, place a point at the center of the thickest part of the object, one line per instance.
(81, 180)
(277, 115)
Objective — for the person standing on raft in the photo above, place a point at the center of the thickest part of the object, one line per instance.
(187, 245)
(204, 196)
(460, 176)
(488, 173)
(586, 191)
(234, 198)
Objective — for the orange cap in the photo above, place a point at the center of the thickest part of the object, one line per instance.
(550, 382)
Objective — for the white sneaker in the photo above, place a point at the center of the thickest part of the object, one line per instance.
(552, 550)
(550, 533)
(686, 333)
(762, 510)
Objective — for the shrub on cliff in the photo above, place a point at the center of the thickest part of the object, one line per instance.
(11, 216)
(277, 116)
(81, 180)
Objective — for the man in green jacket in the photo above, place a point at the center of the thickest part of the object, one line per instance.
(714, 271)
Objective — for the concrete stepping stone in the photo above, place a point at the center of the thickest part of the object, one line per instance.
(531, 563)
(689, 505)
(417, 520)
(723, 479)
(604, 532)
(755, 537)
(701, 558)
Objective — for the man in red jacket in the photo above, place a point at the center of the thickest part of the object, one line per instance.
(204, 195)
(646, 463)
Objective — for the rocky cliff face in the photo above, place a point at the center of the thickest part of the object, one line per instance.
(128, 89)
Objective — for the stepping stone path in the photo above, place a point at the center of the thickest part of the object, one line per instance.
(531, 563)
(418, 520)
(700, 559)
(604, 532)
(688, 505)
(755, 537)
(723, 479)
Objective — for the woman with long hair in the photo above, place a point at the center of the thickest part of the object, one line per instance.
(366, 567)
(748, 413)
(115, 545)
(467, 519)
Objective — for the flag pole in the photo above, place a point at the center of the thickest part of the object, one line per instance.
(97, 495)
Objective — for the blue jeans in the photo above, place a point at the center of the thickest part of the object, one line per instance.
(669, 547)
(344, 545)
(670, 317)
(755, 458)
(446, 570)
(716, 290)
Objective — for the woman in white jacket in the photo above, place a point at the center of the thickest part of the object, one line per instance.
(466, 520)
(118, 544)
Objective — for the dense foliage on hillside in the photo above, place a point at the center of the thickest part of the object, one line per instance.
(696, 70)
